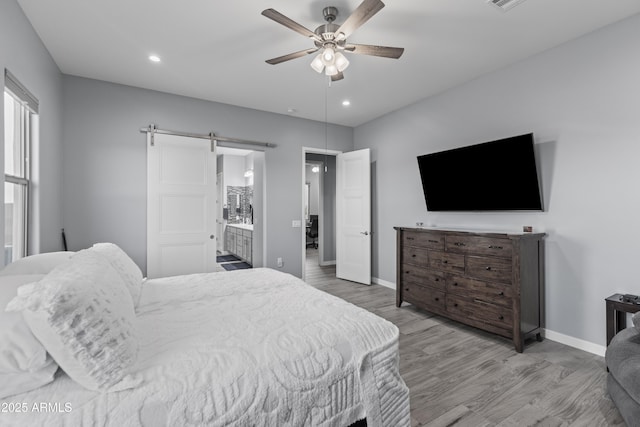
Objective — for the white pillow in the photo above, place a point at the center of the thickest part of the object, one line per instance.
(127, 269)
(37, 264)
(21, 382)
(20, 351)
(83, 314)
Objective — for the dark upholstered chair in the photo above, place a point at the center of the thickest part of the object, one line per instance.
(312, 233)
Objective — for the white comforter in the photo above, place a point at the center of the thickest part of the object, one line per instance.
(244, 348)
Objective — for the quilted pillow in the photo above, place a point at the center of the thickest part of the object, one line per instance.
(83, 315)
(121, 263)
(37, 264)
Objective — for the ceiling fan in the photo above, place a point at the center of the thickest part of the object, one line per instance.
(331, 39)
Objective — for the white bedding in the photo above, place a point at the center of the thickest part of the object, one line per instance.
(243, 348)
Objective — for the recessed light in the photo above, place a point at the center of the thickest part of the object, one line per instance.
(154, 58)
(346, 103)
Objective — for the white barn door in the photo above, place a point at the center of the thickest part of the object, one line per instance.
(353, 216)
(181, 214)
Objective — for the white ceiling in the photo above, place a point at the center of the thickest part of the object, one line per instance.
(215, 50)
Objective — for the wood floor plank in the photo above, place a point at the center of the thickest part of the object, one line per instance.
(460, 416)
(461, 376)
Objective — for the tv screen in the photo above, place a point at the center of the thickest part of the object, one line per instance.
(494, 176)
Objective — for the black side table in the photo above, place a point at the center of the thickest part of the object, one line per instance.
(617, 314)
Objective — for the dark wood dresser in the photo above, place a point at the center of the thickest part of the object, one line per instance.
(492, 281)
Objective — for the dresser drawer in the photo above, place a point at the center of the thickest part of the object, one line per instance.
(479, 245)
(423, 239)
(425, 296)
(493, 269)
(446, 261)
(415, 256)
(475, 309)
(423, 276)
(496, 293)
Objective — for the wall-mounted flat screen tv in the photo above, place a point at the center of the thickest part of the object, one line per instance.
(498, 175)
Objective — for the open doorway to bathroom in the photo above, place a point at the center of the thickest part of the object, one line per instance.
(319, 211)
(240, 201)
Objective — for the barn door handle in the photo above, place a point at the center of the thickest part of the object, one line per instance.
(366, 233)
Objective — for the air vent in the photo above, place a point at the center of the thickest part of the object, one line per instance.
(505, 5)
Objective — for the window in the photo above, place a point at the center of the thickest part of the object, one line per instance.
(20, 108)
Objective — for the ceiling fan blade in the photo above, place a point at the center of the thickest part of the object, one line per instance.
(289, 23)
(384, 51)
(362, 14)
(290, 56)
(337, 77)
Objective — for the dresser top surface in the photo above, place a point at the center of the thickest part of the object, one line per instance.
(479, 232)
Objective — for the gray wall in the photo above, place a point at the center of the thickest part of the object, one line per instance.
(582, 102)
(105, 162)
(22, 52)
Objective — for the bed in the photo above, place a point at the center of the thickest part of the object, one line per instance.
(243, 348)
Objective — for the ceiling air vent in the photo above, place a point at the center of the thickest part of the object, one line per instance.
(504, 5)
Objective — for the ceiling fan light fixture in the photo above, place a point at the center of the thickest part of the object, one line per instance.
(341, 62)
(317, 63)
(328, 56)
(331, 70)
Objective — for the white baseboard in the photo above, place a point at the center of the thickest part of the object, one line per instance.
(575, 342)
(384, 283)
(326, 263)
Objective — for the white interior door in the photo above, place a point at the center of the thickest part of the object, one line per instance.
(181, 214)
(353, 216)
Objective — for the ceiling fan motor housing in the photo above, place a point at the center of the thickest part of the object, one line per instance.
(327, 34)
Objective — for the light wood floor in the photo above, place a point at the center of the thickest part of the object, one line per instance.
(460, 376)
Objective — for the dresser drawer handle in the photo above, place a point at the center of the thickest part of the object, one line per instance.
(406, 289)
(445, 262)
(459, 244)
(455, 284)
(413, 255)
(434, 241)
(501, 294)
(455, 305)
(495, 247)
(411, 238)
(501, 317)
(437, 280)
(407, 272)
(488, 268)
(437, 299)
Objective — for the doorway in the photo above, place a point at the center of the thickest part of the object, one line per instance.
(318, 207)
(241, 206)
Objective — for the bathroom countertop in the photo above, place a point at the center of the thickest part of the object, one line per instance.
(242, 226)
